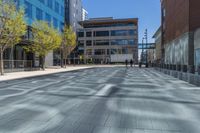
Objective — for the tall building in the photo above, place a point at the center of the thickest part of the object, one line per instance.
(51, 11)
(73, 13)
(180, 32)
(84, 14)
(108, 40)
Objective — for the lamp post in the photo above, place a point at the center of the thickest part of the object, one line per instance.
(142, 58)
(146, 37)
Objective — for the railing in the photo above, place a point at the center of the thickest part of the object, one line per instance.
(17, 65)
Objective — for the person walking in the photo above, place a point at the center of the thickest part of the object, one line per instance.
(126, 61)
(131, 63)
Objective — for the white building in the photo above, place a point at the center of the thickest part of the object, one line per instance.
(84, 14)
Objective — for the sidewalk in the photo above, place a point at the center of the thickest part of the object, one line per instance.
(26, 74)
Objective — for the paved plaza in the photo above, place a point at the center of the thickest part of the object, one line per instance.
(100, 100)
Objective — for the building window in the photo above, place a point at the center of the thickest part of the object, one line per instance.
(80, 34)
(89, 52)
(39, 14)
(89, 34)
(50, 3)
(101, 42)
(28, 10)
(55, 23)
(132, 32)
(88, 43)
(124, 51)
(62, 12)
(131, 42)
(101, 33)
(114, 51)
(42, 1)
(119, 42)
(61, 26)
(81, 43)
(99, 51)
(48, 18)
(120, 33)
(57, 7)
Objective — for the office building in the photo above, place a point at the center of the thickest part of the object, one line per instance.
(180, 32)
(51, 11)
(73, 13)
(108, 40)
(84, 14)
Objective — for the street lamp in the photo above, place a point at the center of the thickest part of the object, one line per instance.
(142, 58)
(146, 37)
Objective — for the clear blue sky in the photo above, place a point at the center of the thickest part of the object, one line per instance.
(148, 12)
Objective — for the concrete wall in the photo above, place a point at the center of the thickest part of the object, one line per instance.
(176, 52)
(49, 60)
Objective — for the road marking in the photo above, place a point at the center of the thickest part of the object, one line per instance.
(105, 90)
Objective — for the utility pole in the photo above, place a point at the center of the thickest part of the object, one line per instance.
(142, 55)
(146, 37)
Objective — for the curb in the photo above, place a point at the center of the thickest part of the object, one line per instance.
(43, 75)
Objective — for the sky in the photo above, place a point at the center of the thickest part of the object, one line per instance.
(147, 11)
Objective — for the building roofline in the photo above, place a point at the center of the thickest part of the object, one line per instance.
(157, 31)
(108, 20)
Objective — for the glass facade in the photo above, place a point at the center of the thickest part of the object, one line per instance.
(122, 42)
(51, 11)
(39, 14)
(28, 10)
(101, 42)
(101, 33)
(123, 33)
(119, 51)
(99, 51)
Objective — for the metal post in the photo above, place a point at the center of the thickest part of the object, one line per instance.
(142, 50)
(146, 37)
(74, 57)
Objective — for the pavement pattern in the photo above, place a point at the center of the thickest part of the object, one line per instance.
(100, 100)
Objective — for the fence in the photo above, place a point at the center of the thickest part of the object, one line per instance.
(17, 65)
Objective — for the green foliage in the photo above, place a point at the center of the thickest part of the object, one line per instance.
(12, 27)
(45, 38)
(69, 40)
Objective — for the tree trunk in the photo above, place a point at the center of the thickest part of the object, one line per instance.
(43, 63)
(65, 58)
(1, 62)
(61, 57)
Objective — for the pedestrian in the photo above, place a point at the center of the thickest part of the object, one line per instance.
(131, 63)
(126, 61)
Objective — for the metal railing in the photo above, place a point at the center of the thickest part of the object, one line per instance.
(17, 65)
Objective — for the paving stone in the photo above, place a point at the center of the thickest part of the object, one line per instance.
(139, 101)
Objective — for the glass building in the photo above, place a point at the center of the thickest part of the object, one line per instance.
(51, 11)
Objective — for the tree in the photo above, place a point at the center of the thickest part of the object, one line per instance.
(12, 28)
(68, 42)
(45, 39)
